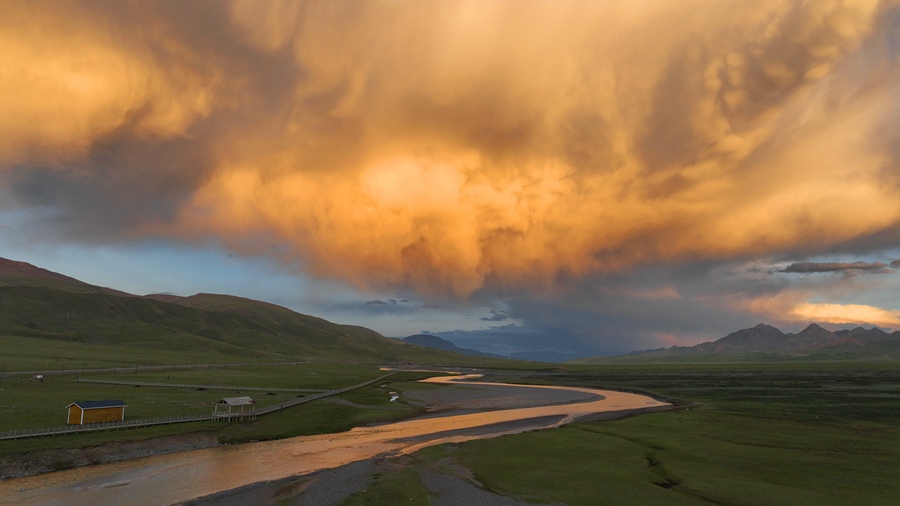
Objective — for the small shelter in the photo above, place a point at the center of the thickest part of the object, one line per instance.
(232, 402)
(83, 412)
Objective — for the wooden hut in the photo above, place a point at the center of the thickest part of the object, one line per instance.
(83, 412)
(232, 403)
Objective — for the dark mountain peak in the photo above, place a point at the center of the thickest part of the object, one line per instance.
(868, 336)
(429, 340)
(439, 343)
(813, 330)
(812, 337)
(759, 338)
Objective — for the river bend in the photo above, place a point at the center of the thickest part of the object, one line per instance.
(177, 477)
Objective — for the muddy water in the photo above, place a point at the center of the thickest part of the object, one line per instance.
(177, 477)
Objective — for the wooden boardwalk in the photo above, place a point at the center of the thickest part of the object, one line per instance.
(147, 422)
(199, 387)
(97, 427)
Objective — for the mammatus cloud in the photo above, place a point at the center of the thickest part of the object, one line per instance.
(458, 147)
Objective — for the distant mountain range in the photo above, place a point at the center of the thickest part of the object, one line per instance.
(38, 303)
(768, 339)
(438, 343)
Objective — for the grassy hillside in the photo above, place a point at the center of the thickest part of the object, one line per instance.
(14, 273)
(213, 325)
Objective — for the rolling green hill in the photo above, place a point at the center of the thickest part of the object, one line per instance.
(36, 303)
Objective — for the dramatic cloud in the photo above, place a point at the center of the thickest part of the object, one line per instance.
(459, 148)
(848, 313)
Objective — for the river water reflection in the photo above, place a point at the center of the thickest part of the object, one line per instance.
(176, 477)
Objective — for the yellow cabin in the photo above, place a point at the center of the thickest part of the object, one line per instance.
(83, 412)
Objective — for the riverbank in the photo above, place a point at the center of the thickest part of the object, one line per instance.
(445, 483)
(453, 398)
(173, 479)
(50, 460)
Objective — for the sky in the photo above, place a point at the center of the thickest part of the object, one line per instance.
(589, 177)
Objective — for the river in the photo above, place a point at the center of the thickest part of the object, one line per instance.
(177, 477)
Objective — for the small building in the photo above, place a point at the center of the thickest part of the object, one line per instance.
(83, 412)
(232, 403)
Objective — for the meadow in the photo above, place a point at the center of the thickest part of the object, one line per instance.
(748, 434)
(756, 435)
(27, 402)
(751, 434)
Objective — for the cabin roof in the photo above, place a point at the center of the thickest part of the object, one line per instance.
(236, 401)
(98, 404)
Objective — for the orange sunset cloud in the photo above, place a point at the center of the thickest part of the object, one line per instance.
(449, 147)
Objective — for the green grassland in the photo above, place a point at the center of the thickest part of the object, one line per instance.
(400, 487)
(754, 434)
(27, 403)
(19, 353)
(691, 457)
(758, 435)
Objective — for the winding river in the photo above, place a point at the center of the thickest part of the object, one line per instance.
(177, 477)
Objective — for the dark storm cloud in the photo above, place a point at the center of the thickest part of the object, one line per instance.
(374, 307)
(847, 268)
(124, 185)
(653, 308)
(496, 316)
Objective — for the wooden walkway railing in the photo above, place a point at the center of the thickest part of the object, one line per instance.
(146, 422)
(101, 426)
(308, 398)
(204, 387)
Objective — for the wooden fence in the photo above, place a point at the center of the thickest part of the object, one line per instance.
(204, 387)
